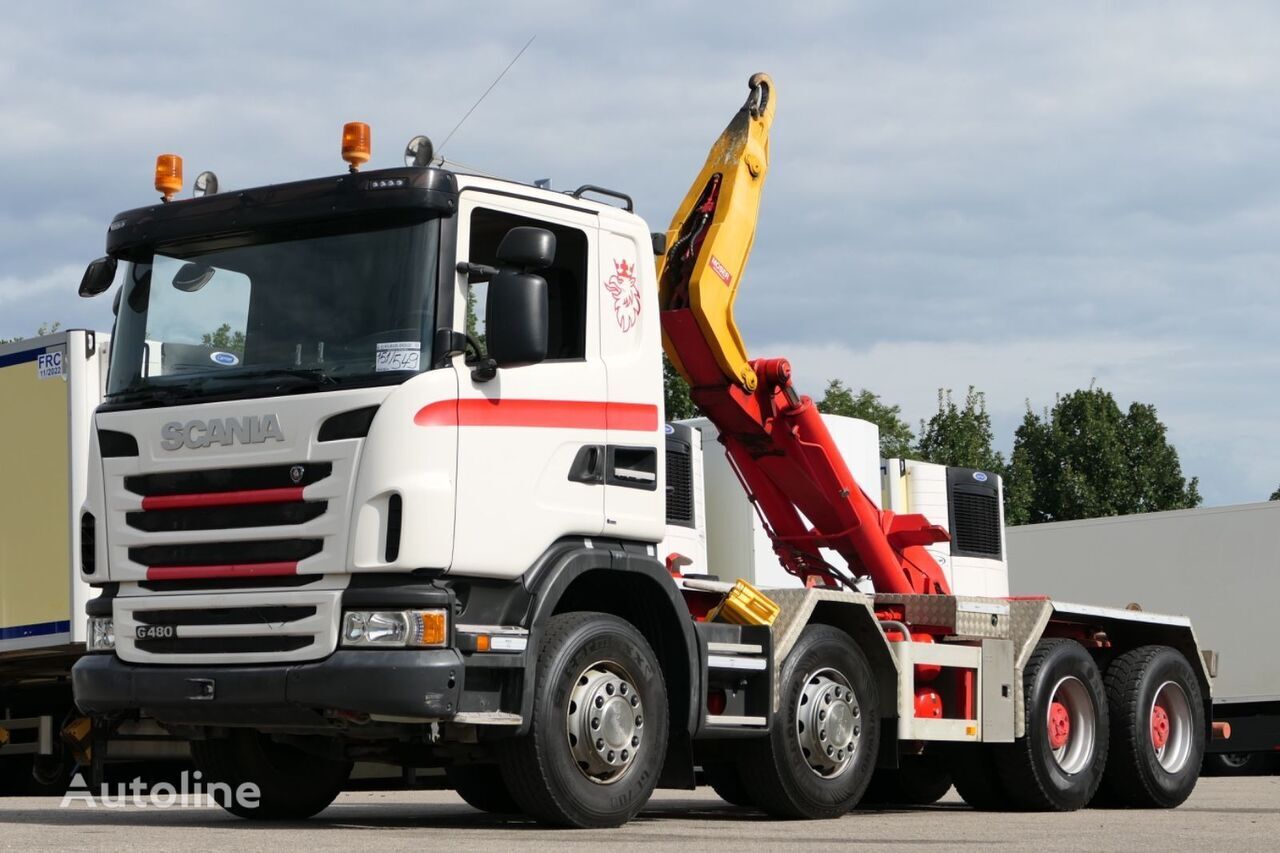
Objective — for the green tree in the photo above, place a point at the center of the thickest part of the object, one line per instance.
(43, 329)
(1275, 496)
(895, 435)
(1085, 458)
(675, 393)
(223, 338)
(960, 436)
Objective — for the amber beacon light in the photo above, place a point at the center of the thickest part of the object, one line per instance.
(168, 175)
(356, 144)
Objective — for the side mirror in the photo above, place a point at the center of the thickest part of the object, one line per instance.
(528, 248)
(190, 277)
(516, 317)
(98, 277)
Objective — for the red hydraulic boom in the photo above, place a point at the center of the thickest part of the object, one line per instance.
(774, 437)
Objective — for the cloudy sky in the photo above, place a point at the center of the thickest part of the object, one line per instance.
(1024, 197)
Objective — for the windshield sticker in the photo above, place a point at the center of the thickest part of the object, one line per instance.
(49, 364)
(398, 355)
(227, 359)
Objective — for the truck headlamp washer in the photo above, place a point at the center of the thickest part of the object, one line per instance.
(604, 722)
(828, 722)
(1072, 725)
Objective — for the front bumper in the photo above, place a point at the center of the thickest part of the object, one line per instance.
(394, 683)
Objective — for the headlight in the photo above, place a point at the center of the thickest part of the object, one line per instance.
(394, 628)
(101, 634)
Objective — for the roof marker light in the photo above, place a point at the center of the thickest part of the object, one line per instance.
(356, 144)
(168, 176)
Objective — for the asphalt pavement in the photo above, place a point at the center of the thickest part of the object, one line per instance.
(1223, 814)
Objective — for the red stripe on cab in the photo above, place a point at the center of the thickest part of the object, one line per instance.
(555, 414)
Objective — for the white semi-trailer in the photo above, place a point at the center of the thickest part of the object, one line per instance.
(49, 387)
(337, 515)
(1220, 565)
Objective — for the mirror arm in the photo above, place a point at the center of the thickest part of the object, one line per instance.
(485, 370)
(482, 271)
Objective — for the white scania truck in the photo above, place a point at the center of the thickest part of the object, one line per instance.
(334, 520)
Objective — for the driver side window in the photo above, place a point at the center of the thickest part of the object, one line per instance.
(566, 281)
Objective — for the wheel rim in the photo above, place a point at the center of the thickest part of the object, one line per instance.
(1071, 725)
(1171, 722)
(604, 722)
(1235, 760)
(828, 723)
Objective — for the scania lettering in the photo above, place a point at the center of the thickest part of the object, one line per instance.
(465, 539)
(197, 434)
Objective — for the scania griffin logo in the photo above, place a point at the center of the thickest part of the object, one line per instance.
(225, 431)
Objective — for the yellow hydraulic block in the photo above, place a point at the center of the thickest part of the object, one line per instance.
(711, 234)
(745, 605)
(78, 736)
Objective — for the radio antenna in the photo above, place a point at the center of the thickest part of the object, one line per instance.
(440, 150)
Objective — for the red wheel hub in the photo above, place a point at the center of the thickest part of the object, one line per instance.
(1059, 725)
(1159, 727)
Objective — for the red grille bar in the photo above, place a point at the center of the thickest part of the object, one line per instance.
(213, 499)
(233, 570)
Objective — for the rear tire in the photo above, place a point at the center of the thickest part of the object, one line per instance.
(977, 778)
(576, 768)
(1058, 764)
(918, 780)
(725, 779)
(481, 786)
(821, 751)
(1157, 730)
(292, 784)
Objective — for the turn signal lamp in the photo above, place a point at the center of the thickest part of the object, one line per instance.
(168, 175)
(356, 144)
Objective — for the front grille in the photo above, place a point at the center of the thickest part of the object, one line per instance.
(679, 487)
(228, 479)
(976, 525)
(173, 629)
(222, 645)
(224, 517)
(225, 615)
(226, 500)
(236, 583)
(227, 553)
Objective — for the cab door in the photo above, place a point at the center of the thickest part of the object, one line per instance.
(531, 439)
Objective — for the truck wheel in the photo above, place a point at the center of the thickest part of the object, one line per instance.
(725, 779)
(481, 787)
(918, 780)
(598, 736)
(977, 778)
(1058, 764)
(292, 784)
(1234, 764)
(821, 751)
(1157, 730)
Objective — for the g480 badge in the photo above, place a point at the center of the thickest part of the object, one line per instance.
(155, 632)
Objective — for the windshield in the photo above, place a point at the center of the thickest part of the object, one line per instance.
(281, 317)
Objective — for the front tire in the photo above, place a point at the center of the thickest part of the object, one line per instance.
(292, 784)
(1157, 732)
(821, 751)
(1058, 764)
(598, 736)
